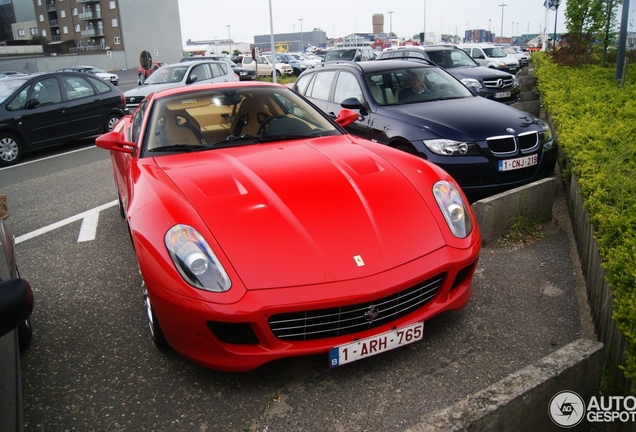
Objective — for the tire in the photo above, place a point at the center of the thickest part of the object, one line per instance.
(278, 74)
(25, 333)
(111, 120)
(10, 149)
(155, 329)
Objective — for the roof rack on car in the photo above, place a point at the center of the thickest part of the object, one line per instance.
(419, 59)
(346, 62)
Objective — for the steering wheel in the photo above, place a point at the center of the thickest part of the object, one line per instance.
(267, 121)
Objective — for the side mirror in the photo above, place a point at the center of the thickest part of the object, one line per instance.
(32, 103)
(16, 303)
(192, 79)
(352, 103)
(114, 141)
(346, 117)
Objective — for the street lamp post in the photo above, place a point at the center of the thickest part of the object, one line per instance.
(302, 45)
(229, 38)
(390, 21)
(502, 6)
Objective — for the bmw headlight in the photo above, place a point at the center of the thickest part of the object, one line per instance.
(194, 259)
(547, 140)
(446, 147)
(472, 84)
(453, 208)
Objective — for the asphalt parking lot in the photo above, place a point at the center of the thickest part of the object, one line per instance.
(92, 365)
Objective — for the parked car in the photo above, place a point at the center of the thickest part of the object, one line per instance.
(106, 76)
(244, 74)
(4, 74)
(53, 108)
(489, 83)
(180, 74)
(297, 65)
(264, 65)
(263, 230)
(144, 73)
(16, 304)
(349, 54)
(491, 56)
(488, 147)
(522, 57)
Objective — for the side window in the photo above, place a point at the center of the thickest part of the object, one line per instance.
(477, 54)
(202, 72)
(47, 91)
(322, 85)
(20, 100)
(101, 86)
(367, 55)
(77, 88)
(138, 116)
(418, 54)
(216, 70)
(247, 60)
(346, 87)
(302, 82)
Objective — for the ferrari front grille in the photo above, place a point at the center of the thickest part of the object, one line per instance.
(325, 323)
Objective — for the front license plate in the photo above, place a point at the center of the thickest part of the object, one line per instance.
(376, 344)
(502, 95)
(522, 162)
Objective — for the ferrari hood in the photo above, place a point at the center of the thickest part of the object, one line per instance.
(296, 213)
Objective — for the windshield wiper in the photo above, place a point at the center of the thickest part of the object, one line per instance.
(180, 147)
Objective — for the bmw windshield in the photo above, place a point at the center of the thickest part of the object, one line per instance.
(414, 85)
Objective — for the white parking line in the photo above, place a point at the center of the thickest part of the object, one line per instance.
(45, 158)
(87, 231)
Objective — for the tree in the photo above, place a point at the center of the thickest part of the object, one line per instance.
(585, 20)
(38, 40)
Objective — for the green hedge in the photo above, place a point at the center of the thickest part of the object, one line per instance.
(595, 122)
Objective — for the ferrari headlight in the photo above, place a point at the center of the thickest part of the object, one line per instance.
(194, 259)
(472, 84)
(447, 147)
(453, 208)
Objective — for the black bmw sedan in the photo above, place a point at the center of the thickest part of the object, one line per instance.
(488, 147)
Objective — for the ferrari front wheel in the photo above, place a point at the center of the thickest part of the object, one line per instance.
(155, 329)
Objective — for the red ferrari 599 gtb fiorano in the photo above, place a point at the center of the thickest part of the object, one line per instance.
(263, 230)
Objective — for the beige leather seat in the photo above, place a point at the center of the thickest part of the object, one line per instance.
(251, 113)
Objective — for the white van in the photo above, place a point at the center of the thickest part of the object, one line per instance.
(491, 56)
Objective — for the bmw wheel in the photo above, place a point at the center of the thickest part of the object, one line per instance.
(155, 329)
(10, 149)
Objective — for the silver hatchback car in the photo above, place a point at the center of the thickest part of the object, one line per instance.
(180, 74)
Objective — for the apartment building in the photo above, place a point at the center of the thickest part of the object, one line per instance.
(110, 33)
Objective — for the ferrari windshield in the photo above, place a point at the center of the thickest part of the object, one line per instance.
(231, 116)
(414, 85)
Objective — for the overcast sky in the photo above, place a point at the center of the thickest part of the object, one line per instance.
(208, 19)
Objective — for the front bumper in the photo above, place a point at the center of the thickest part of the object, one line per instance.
(238, 336)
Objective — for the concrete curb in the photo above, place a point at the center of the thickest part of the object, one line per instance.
(520, 401)
(533, 201)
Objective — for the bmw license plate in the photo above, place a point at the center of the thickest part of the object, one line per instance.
(502, 95)
(375, 344)
(518, 163)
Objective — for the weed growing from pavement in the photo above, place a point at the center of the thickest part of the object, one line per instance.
(523, 230)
